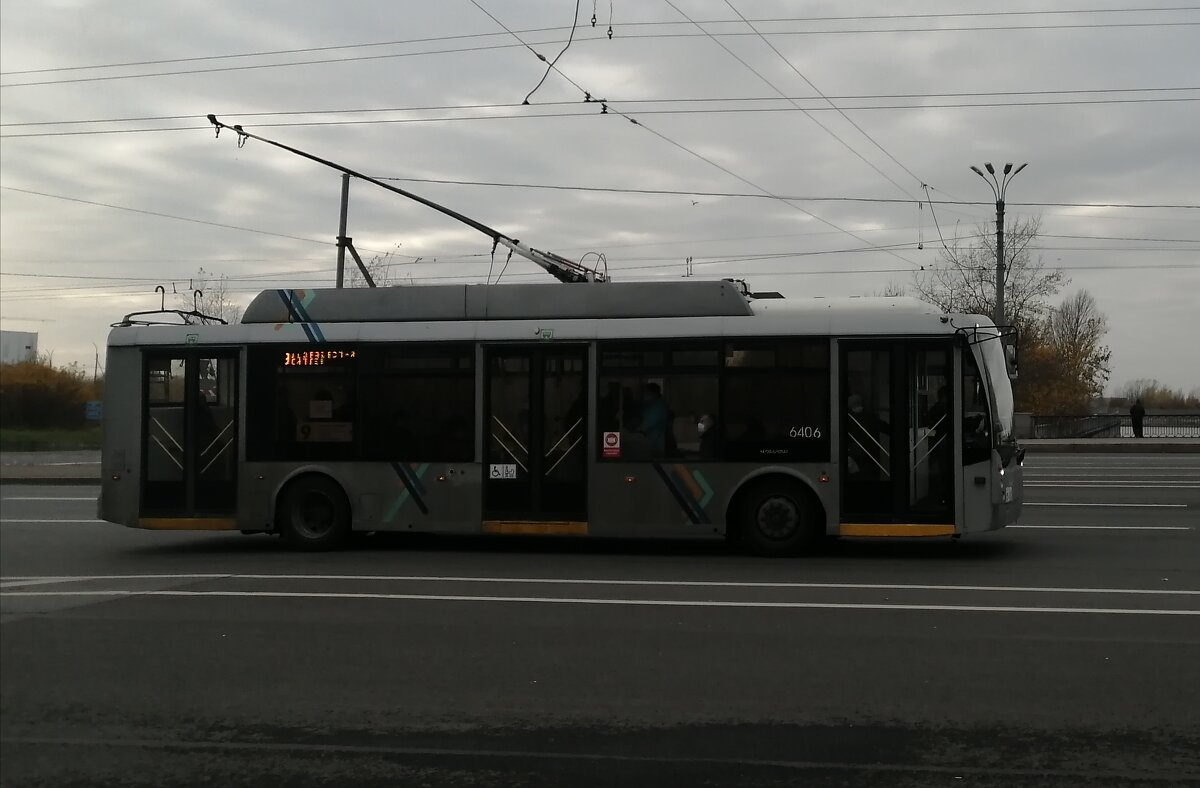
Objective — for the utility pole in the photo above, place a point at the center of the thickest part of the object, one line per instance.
(998, 189)
(341, 258)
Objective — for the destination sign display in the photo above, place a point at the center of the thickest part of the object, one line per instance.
(319, 358)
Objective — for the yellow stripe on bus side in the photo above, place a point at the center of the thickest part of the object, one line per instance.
(894, 529)
(535, 527)
(188, 523)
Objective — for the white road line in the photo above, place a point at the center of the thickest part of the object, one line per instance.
(1131, 505)
(587, 601)
(16, 521)
(1175, 478)
(606, 582)
(87, 498)
(1121, 485)
(1107, 527)
(45, 581)
(1139, 471)
(1115, 466)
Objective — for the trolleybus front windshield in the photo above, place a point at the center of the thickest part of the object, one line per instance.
(992, 351)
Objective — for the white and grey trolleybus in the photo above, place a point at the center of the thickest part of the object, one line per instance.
(672, 409)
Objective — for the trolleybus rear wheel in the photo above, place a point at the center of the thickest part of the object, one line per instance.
(780, 517)
(313, 514)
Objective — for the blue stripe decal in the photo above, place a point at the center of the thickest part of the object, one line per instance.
(298, 313)
(681, 495)
(412, 485)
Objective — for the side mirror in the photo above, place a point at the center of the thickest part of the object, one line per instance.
(1010, 358)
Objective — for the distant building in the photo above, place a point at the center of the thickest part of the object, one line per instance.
(18, 346)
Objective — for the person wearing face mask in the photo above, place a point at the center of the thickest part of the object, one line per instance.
(706, 427)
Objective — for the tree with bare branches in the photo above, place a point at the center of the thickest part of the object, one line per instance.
(1157, 395)
(380, 267)
(964, 278)
(215, 299)
(1064, 363)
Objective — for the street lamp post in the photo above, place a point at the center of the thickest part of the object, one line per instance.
(998, 187)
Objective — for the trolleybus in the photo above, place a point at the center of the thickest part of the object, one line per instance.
(671, 409)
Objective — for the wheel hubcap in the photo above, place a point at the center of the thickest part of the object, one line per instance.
(314, 516)
(778, 517)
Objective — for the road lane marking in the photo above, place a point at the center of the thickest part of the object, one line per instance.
(45, 581)
(1120, 485)
(600, 601)
(17, 521)
(1088, 776)
(605, 582)
(1136, 505)
(24, 498)
(1108, 527)
(1114, 470)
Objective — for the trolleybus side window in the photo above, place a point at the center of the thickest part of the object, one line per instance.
(304, 401)
(776, 400)
(654, 397)
(420, 403)
(165, 449)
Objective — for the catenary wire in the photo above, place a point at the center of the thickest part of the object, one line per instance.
(792, 101)
(683, 147)
(302, 50)
(701, 100)
(643, 112)
(460, 50)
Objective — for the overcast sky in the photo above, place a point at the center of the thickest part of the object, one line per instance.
(1105, 107)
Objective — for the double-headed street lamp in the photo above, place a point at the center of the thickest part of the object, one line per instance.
(998, 187)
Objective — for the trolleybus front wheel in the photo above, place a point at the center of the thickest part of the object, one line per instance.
(780, 517)
(313, 513)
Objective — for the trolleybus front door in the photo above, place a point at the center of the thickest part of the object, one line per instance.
(536, 448)
(189, 434)
(897, 433)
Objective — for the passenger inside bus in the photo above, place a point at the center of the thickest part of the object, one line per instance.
(939, 448)
(708, 436)
(655, 419)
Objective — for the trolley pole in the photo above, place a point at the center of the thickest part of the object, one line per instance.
(998, 187)
(341, 256)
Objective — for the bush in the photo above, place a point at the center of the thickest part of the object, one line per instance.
(36, 395)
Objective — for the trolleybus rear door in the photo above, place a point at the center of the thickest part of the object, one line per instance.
(189, 434)
(897, 434)
(536, 448)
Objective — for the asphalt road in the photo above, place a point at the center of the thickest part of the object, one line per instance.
(1065, 652)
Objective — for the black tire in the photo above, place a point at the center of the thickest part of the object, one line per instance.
(313, 514)
(780, 517)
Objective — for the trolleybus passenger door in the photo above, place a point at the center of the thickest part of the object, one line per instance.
(897, 432)
(189, 434)
(931, 434)
(536, 448)
(871, 462)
